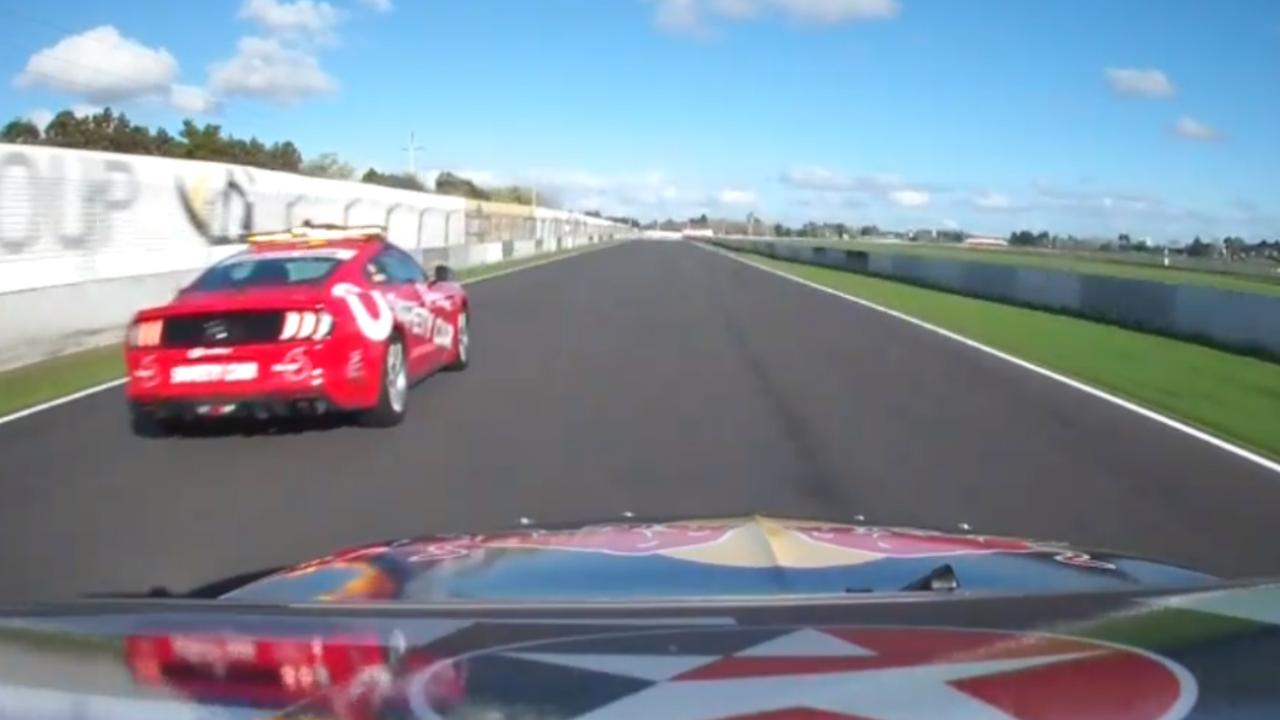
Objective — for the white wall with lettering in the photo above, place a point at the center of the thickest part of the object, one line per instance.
(72, 216)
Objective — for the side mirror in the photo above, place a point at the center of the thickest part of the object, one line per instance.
(442, 273)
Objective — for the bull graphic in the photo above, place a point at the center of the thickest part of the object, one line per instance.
(222, 216)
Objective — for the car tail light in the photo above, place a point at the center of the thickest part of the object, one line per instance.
(146, 333)
(306, 325)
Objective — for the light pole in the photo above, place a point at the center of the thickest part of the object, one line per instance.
(413, 157)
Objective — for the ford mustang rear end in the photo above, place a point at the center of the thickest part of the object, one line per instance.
(294, 327)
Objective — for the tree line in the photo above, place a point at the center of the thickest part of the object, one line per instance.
(111, 131)
(114, 132)
(1232, 247)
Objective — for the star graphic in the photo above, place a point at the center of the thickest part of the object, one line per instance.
(897, 693)
(805, 670)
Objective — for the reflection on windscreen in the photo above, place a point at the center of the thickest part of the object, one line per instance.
(265, 272)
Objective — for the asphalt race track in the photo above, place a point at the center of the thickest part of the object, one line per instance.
(652, 378)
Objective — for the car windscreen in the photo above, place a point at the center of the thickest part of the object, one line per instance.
(249, 272)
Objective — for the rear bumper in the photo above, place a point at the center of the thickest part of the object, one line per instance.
(273, 379)
(260, 407)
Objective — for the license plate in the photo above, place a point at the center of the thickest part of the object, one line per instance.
(213, 372)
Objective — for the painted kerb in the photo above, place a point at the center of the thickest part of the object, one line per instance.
(1235, 321)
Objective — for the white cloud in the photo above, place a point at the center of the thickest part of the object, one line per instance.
(264, 68)
(990, 200)
(82, 110)
(613, 193)
(1193, 129)
(382, 6)
(736, 9)
(829, 12)
(306, 18)
(1095, 201)
(101, 65)
(685, 16)
(824, 180)
(1140, 82)
(679, 16)
(192, 99)
(735, 197)
(909, 198)
(622, 193)
(817, 178)
(40, 117)
(889, 188)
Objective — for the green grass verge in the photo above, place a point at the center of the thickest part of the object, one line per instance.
(30, 385)
(1084, 264)
(1233, 396)
(33, 384)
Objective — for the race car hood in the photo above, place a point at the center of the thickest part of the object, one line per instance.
(752, 556)
(1113, 646)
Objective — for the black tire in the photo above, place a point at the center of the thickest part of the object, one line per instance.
(146, 424)
(388, 412)
(461, 342)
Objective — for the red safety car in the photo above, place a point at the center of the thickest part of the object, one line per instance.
(304, 322)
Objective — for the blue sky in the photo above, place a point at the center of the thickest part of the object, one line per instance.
(1156, 118)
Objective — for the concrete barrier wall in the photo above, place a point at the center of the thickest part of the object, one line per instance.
(87, 238)
(1236, 321)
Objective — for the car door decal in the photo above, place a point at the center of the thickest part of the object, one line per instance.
(440, 307)
(417, 319)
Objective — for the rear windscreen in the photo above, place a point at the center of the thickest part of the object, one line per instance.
(265, 272)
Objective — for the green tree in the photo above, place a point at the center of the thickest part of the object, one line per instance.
(1026, 238)
(510, 194)
(1200, 248)
(202, 143)
(20, 130)
(67, 130)
(162, 143)
(449, 184)
(285, 156)
(402, 181)
(328, 165)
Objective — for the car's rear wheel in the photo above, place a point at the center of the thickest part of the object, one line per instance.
(461, 342)
(393, 393)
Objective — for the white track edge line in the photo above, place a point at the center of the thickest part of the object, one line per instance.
(1131, 406)
(61, 401)
(49, 404)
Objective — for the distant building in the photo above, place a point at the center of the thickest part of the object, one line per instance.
(985, 241)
